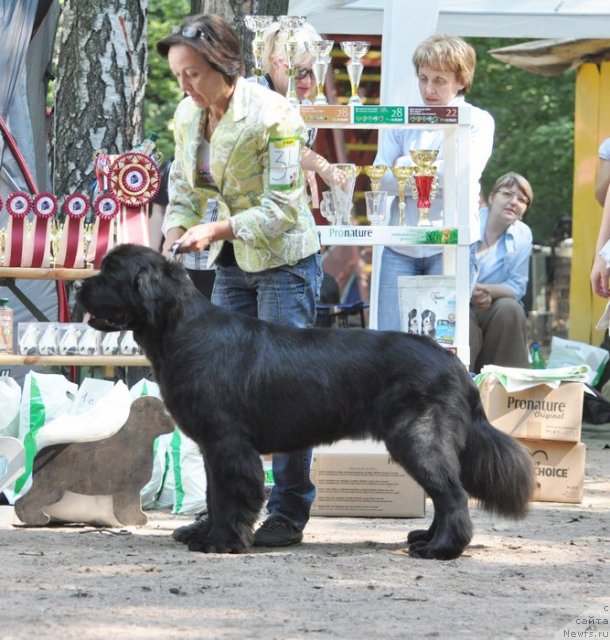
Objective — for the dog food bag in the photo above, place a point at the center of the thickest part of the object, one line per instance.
(427, 307)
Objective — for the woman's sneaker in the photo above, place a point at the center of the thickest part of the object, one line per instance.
(277, 532)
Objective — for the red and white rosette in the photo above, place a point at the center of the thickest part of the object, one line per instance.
(75, 207)
(45, 207)
(106, 207)
(135, 180)
(18, 205)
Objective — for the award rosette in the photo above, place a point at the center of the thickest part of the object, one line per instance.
(135, 181)
(106, 207)
(18, 205)
(45, 207)
(75, 208)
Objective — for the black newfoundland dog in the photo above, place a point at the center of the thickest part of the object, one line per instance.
(240, 387)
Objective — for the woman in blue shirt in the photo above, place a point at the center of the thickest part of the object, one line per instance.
(498, 324)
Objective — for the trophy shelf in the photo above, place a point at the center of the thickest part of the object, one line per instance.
(48, 273)
(9, 359)
(387, 235)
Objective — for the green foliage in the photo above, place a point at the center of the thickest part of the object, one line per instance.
(534, 132)
(162, 91)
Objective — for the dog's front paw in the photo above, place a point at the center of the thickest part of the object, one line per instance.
(218, 541)
(191, 532)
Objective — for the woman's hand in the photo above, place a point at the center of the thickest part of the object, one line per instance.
(600, 275)
(481, 297)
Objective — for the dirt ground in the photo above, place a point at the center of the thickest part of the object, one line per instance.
(351, 579)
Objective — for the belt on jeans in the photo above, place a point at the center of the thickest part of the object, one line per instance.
(226, 257)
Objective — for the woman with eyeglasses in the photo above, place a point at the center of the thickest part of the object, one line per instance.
(237, 152)
(498, 324)
(444, 66)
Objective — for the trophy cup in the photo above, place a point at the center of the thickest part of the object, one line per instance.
(57, 231)
(402, 175)
(375, 206)
(375, 172)
(2, 246)
(342, 190)
(327, 207)
(320, 50)
(291, 24)
(355, 50)
(424, 185)
(258, 24)
(87, 239)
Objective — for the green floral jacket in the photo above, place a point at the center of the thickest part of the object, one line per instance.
(258, 182)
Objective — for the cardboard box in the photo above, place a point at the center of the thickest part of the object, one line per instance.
(360, 479)
(559, 468)
(538, 413)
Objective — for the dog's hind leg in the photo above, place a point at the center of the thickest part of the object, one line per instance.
(433, 462)
(236, 496)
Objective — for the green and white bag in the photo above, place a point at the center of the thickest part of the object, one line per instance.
(178, 477)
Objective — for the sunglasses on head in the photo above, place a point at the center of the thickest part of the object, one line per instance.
(188, 32)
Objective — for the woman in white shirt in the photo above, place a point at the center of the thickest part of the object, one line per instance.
(445, 69)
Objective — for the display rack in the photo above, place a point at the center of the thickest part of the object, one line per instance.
(456, 230)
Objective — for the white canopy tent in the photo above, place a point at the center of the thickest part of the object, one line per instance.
(483, 18)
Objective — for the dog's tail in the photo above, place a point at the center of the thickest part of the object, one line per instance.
(495, 468)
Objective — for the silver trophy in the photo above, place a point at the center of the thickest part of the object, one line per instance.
(342, 190)
(320, 50)
(258, 24)
(355, 50)
(291, 24)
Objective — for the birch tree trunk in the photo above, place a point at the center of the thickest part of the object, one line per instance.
(101, 69)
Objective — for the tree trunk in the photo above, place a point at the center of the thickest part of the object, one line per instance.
(102, 66)
(233, 11)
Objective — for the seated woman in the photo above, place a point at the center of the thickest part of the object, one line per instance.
(497, 318)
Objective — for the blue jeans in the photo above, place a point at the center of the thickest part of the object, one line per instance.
(286, 295)
(395, 264)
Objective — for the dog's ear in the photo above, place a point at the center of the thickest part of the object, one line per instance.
(149, 285)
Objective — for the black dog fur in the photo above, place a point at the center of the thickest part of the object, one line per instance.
(240, 387)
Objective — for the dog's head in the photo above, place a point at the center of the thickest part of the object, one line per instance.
(136, 288)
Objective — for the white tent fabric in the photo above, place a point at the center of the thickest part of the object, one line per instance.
(483, 18)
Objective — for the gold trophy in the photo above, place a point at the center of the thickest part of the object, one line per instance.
(57, 232)
(87, 239)
(342, 190)
(375, 172)
(355, 50)
(402, 175)
(2, 247)
(258, 24)
(320, 50)
(291, 24)
(424, 182)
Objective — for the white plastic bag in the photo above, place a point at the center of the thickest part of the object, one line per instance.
(570, 352)
(10, 404)
(178, 478)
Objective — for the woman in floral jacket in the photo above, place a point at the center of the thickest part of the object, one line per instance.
(237, 187)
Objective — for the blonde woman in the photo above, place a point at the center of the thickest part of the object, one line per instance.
(445, 67)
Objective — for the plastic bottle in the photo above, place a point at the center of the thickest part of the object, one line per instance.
(6, 327)
(537, 359)
(147, 146)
